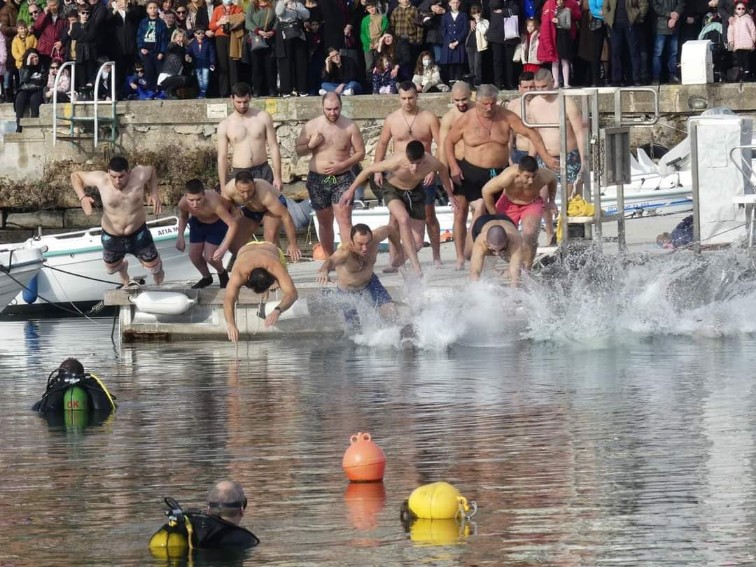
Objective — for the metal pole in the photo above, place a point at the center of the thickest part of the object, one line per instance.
(693, 135)
(596, 168)
(563, 163)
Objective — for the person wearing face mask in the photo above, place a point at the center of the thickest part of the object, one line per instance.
(427, 77)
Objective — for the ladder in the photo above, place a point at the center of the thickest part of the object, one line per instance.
(606, 151)
(71, 111)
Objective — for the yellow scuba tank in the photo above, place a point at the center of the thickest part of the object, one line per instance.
(438, 501)
(174, 539)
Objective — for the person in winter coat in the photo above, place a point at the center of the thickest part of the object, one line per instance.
(372, 27)
(202, 53)
(555, 39)
(32, 78)
(624, 18)
(529, 46)
(454, 28)
(668, 14)
(432, 13)
(122, 24)
(48, 27)
(427, 76)
(152, 43)
(476, 43)
(741, 38)
(503, 37)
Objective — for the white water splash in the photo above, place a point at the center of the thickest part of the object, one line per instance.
(601, 299)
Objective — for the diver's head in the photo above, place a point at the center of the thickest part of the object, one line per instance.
(227, 500)
(72, 366)
(260, 280)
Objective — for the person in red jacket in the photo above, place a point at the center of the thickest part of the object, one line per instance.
(559, 20)
(48, 28)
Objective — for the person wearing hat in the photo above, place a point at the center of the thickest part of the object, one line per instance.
(202, 53)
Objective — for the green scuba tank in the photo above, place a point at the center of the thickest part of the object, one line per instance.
(75, 398)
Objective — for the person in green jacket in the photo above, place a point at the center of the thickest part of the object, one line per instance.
(373, 26)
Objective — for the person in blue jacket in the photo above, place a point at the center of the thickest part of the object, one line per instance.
(152, 43)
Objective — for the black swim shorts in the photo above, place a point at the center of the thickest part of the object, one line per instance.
(139, 244)
(474, 178)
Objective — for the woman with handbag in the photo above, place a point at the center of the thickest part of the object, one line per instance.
(558, 31)
(503, 38)
(261, 23)
(291, 47)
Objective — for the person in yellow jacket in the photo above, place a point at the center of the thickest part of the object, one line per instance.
(24, 40)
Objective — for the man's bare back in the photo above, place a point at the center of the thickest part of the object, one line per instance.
(261, 197)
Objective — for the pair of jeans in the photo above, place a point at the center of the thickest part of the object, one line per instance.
(660, 42)
(203, 78)
(625, 34)
(354, 85)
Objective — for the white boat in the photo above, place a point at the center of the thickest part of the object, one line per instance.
(18, 266)
(74, 273)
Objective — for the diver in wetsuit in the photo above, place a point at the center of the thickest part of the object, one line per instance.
(70, 388)
(217, 528)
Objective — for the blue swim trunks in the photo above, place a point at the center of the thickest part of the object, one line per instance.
(573, 166)
(212, 233)
(516, 155)
(257, 216)
(374, 294)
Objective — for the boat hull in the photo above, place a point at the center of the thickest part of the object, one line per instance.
(19, 267)
(74, 272)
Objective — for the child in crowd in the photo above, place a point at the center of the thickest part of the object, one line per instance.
(202, 53)
(741, 38)
(454, 29)
(384, 75)
(85, 48)
(529, 47)
(152, 43)
(476, 43)
(64, 83)
(136, 85)
(104, 87)
(558, 31)
(24, 40)
(372, 28)
(427, 77)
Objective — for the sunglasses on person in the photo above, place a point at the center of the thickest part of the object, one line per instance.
(33, 13)
(140, 71)
(54, 67)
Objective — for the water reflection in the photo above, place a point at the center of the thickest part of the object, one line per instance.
(576, 453)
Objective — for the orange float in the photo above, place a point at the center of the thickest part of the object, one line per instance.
(364, 461)
(318, 253)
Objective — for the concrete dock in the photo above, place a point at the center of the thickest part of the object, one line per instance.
(316, 311)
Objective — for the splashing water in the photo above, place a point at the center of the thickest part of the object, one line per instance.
(591, 298)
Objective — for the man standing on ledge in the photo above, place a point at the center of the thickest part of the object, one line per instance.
(485, 133)
(259, 265)
(337, 146)
(251, 135)
(124, 218)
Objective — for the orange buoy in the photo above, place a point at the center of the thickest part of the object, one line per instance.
(318, 253)
(447, 236)
(363, 461)
(364, 501)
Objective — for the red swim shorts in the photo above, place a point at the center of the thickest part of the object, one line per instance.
(516, 211)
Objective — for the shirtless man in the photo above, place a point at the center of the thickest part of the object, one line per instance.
(259, 199)
(516, 192)
(410, 122)
(521, 145)
(460, 97)
(124, 218)
(337, 146)
(211, 231)
(354, 263)
(404, 192)
(249, 131)
(545, 109)
(494, 235)
(259, 265)
(485, 134)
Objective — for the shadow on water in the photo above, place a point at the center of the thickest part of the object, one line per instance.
(603, 415)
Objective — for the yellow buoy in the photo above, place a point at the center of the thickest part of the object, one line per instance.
(438, 501)
(438, 532)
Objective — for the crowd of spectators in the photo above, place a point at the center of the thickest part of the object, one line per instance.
(199, 48)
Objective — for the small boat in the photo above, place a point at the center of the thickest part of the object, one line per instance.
(73, 274)
(18, 266)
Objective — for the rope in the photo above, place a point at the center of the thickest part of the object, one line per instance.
(80, 276)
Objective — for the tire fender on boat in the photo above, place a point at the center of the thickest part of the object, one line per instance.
(162, 302)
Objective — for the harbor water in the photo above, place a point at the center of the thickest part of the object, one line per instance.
(602, 415)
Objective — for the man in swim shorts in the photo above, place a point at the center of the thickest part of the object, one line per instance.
(404, 194)
(211, 231)
(260, 200)
(124, 218)
(251, 134)
(258, 266)
(516, 192)
(520, 146)
(354, 263)
(485, 132)
(493, 235)
(337, 146)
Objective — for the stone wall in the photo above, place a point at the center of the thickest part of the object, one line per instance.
(179, 138)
